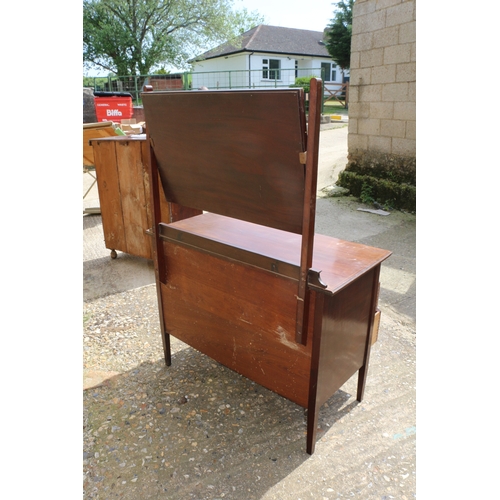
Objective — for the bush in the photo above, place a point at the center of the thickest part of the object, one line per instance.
(387, 179)
(304, 82)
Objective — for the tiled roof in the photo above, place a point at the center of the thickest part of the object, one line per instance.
(274, 39)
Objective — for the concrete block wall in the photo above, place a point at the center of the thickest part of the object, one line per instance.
(382, 93)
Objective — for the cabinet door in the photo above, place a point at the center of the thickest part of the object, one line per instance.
(109, 194)
(131, 169)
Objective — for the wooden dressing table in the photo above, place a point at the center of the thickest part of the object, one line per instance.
(247, 282)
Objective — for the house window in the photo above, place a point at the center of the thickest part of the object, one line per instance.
(329, 72)
(271, 69)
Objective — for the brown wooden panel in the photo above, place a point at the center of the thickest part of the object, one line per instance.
(131, 179)
(208, 304)
(344, 333)
(178, 212)
(109, 194)
(234, 153)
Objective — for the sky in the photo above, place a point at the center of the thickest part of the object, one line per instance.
(313, 15)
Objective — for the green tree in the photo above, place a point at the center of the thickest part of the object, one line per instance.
(131, 37)
(339, 32)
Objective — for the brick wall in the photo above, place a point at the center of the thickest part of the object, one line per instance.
(382, 94)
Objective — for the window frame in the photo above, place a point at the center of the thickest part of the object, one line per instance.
(268, 71)
(332, 71)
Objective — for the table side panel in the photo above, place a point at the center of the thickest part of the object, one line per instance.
(240, 316)
(346, 319)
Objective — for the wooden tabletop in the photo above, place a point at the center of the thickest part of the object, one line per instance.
(339, 261)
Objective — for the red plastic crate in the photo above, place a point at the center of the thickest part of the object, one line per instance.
(113, 108)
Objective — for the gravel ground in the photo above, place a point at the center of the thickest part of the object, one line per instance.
(197, 430)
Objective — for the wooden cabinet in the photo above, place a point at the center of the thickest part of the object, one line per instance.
(124, 187)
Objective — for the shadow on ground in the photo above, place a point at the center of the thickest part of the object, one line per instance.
(193, 430)
(103, 275)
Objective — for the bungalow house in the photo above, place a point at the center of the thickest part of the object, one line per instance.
(266, 56)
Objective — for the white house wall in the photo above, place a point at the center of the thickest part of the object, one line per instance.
(221, 72)
(246, 69)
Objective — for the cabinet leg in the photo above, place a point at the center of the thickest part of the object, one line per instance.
(166, 349)
(113, 254)
(312, 426)
(361, 383)
(313, 405)
(363, 371)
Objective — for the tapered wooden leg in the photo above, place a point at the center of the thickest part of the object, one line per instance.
(361, 382)
(165, 337)
(312, 426)
(363, 371)
(313, 406)
(166, 348)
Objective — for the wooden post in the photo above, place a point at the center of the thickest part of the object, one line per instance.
(311, 182)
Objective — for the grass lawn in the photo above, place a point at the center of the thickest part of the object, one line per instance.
(333, 107)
